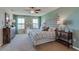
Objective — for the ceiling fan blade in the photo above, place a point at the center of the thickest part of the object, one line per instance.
(31, 9)
(38, 10)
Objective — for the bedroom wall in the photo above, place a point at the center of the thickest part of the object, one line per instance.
(65, 13)
(28, 21)
(75, 26)
(2, 13)
(2, 22)
(49, 19)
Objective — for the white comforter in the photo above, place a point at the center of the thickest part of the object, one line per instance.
(36, 35)
(32, 32)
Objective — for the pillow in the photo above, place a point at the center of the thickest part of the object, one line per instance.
(45, 28)
(51, 29)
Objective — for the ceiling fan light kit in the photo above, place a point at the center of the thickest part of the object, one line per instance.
(34, 10)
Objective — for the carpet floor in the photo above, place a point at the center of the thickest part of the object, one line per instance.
(21, 42)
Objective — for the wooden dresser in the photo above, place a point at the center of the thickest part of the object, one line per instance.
(6, 35)
(63, 37)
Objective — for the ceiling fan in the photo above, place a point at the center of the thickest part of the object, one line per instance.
(34, 10)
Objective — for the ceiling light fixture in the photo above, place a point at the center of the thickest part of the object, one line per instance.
(32, 11)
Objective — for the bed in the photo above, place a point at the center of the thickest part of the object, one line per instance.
(40, 37)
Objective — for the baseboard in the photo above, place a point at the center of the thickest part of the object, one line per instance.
(76, 48)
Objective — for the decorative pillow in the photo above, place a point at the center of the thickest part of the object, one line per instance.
(51, 29)
(45, 28)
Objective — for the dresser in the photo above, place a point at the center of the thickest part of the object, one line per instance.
(6, 35)
(63, 37)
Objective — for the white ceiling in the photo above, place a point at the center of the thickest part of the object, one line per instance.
(26, 10)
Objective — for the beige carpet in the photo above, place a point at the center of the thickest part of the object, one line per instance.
(19, 43)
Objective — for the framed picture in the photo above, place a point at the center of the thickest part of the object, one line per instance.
(7, 19)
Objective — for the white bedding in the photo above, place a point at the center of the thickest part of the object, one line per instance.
(39, 37)
(32, 32)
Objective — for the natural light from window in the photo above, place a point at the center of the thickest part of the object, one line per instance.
(35, 23)
(21, 23)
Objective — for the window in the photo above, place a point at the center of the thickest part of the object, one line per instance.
(35, 23)
(20, 23)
